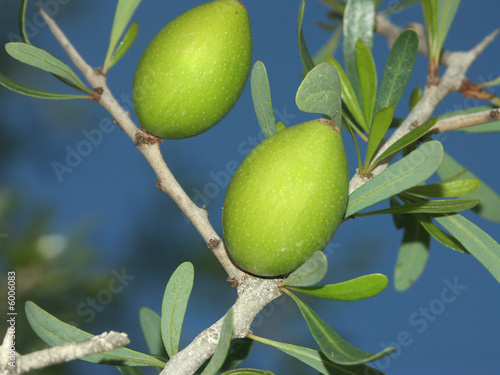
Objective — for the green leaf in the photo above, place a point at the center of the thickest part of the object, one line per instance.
(348, 95)
(428, 207)
(248, 371)
(367, 78)
(261, 96)
(55, 332)
(333, 346)
(415, 96)
(316, 359)
(130, 370)
(151, 329)
(397, 70)
(447, 9)
(237, 353)
(359, 23)
(222, 347)
(310, 273)
(381, 123)
(125, 44)
(22, 23)
(319, 92)
(442, 237)
(352, 290)
(489, 207)
(407, 139)
(125, 9)
(43, 60)
(411, 170)
(28, 91)
(304, 52)
(412, 255)
(430, 11)
(449, 189)
(475, 240)
(174, 306)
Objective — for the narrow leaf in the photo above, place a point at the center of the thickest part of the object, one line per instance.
(43, 60)
(348, 95)
(304, 52)
(413, 169)
(29, 91)
(261, 96)
(415, 97)
(125, 44)
(55, 332)
(439, 235)
(475, 240)
(316, 359)
(359, 23)
(22, 22)
(130, 370)
(367, 78)
(125, 9)
(174, 306)
(430, 11)
(407, 139)
(333, 346)
(428, 207)
(381, 123)
(248, 371)
(237, 353)
(447, 9)
(449, 189)
(151, 329)
(397, 70)
(352, 290)
(221, 350)
(489, 207)
(320, 92)
(412, 255)
(310, 273)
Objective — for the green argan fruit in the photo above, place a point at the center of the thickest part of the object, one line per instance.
(287, 199)
(193, 72)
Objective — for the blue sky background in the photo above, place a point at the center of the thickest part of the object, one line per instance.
(139, 228)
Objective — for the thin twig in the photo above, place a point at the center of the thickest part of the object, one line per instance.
(465, 121)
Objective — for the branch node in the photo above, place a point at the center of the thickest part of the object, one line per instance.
(97, 94)
(214, 243)
(143, 137)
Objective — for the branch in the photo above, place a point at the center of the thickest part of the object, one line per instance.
(465, 121)
(59, 354)
(457, 65)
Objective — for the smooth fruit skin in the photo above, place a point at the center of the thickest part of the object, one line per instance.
(287, 199)
(193, 72)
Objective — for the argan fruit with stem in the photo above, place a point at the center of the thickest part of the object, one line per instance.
(287, 199)
(195, 69)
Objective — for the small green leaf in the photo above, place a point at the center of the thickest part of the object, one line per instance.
(412, 254)
(55, 332)
(428, 207)
(348, 95)
(303, 50)
(28, 91)
(397, 70)
(261, 97)
(411, 170)
(407, 139)
(221, 350)
(442, 237)
(367, 78)
(151, 329)
(310, 273)
(381, 123)
(333, 346)
(125, 9)
(22, 23)
(43, 60)
(352, 290)
(125, 44)
(489, 207)
(319, 92)
(316, 359)
(449, 189)
(475, 240)
(359, 23)
(174, 306)
(415, 96)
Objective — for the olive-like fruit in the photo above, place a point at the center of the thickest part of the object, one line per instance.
(286, 199)
(194, 70)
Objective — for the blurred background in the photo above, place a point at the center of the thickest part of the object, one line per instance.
(69, 235)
